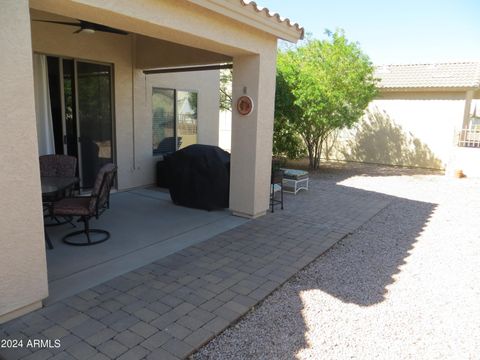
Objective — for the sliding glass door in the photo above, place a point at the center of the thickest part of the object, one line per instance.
(94, 94)
(83, 124)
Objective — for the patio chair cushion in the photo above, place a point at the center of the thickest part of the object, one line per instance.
(57, 165)
(78, 206)
(295, 174)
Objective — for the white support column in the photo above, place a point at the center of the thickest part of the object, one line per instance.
(23, 271)
(468, 105)
(253, 75)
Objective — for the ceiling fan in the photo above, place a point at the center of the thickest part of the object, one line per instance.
(87, 27)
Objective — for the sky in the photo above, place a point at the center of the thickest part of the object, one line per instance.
(394, 31)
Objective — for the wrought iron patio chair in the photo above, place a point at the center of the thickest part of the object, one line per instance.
(87, 207)
(57, 166)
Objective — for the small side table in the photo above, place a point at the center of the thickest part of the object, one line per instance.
(295, 180)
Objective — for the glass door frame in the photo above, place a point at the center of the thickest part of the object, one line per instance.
(77, 114)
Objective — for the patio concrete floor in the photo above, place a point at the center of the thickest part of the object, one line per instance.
(144, 225)
(174, 305)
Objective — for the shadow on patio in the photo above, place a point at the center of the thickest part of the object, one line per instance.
(372, 264)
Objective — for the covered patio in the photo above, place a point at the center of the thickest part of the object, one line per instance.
(149, 35)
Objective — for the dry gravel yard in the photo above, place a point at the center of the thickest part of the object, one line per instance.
(405, 285)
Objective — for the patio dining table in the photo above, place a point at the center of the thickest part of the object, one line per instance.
(53, 186)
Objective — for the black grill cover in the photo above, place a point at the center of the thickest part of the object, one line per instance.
(200, 177)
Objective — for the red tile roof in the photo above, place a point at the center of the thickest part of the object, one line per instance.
(267, 13)
(441, 75)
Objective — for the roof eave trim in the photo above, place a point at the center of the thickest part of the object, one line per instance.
(428, 88)
(279, 29)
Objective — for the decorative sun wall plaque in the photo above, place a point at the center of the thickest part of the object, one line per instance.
(245, 105)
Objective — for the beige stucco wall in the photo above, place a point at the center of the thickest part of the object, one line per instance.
(405, 128)
(23, 277)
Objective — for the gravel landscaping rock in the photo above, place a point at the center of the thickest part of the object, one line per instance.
(405, 285)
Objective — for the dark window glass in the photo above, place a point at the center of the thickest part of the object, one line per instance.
(55, 102)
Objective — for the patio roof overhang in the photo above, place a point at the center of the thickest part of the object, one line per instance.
(231, 28)
(149, 53)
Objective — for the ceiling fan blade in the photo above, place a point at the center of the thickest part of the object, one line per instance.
(113, 31)
(103, 28)
(86, 25)
(59, 22)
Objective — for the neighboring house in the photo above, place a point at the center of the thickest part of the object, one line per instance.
(426, 115)
(87, 93)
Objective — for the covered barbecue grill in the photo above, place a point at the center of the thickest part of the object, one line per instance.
(199, 177)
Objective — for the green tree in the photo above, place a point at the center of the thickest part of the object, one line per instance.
(286, 140)
(322, 86)
(226, 89)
